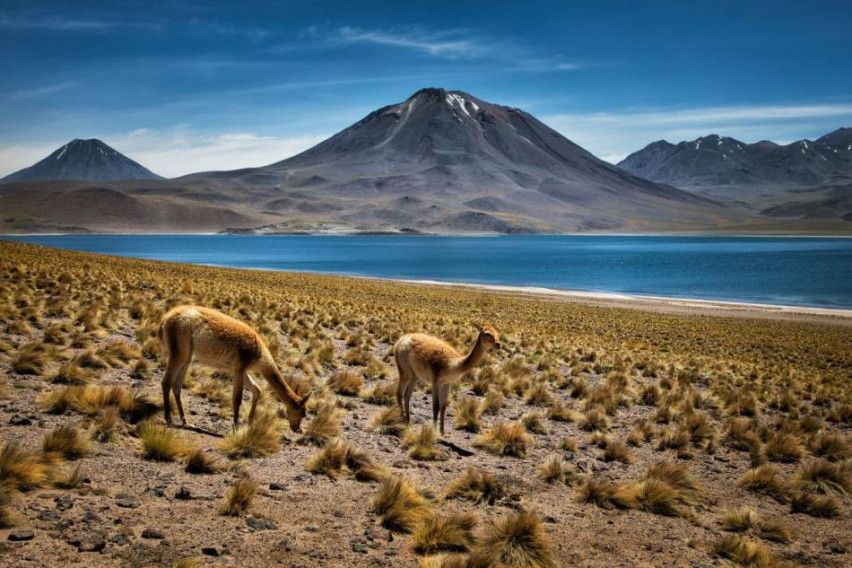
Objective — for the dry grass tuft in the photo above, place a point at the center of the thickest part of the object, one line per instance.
(239, 497)
(70, 373)
(824, 506)
(595, 419)
(259, 439)
(556, 470)
(401, 506)
(325, 425)
(785, 447)
(467, 412)
(504, 439)
(329, 459)
(515, 540)
(22, 469)
(741, 520)
(201, 462)
(832, 446)
(161, 443)
(743, 551)
(347, 383)
(7, 517)
(617, 451)
(422, 444)
(824, 477)
(68, 442)
(388, 421)
(766, 480)
(452, 533)
(476, 486)
(383, 393)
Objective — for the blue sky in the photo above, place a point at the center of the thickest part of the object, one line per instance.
(186, 86)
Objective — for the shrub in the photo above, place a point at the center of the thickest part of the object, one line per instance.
(259, 439)
(239, 497)
(452, 533)
(785, 447)
(815, 505)
(324, 426)
(766, 480)
(824, 477)
(556, 470)
(388, 421)
(22, 469)
(422, 444)
(161, 443)
(477, 486)
(381, 393)
(67, 442)
(515, 540)
(504, 439)
(467, 412)
(346, 383)
(200, 462)
(743, 551)
(401, 506)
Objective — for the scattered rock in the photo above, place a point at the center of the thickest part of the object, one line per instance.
(153, 534)
(119, 539)
(277, 487)
(284, 545)
(94, 544)
(64, 502)
(214, 551)
(358, 545)
(126, 501)
(835, 547)
(258, 524)
(311, 529)
(21, 536)
(48, 516)
(183, 493)
(18, 420)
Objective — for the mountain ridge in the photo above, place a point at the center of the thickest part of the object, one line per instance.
(83, 160)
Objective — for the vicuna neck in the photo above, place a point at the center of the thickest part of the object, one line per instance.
(476, 354)
(285, 394)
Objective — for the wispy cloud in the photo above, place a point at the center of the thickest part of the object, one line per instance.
(614, 135)
(36, 92)
(62, 23)
(452, 43)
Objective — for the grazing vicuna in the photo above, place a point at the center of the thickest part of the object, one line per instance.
(221, 342)
(423, 357)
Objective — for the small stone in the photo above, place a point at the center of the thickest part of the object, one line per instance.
(214, 551)
(21, 536)
(119, 539)
(358, 545)
(311, 529)
(48, 516)
(18, 420)
(284, 545)
(836, 547)
(93, 544)
(258, 524)
(153, 534)
(64, 502)
(277, 487)
(183, 493)
(550, 520)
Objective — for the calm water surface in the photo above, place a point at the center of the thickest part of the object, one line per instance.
(791, 271)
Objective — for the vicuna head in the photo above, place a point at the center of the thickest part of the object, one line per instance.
(296, 413)
(490, 337)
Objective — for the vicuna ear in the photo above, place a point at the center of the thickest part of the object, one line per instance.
(478, 326)
(305, 399)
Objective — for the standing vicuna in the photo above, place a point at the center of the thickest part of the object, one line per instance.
(221, 342)
(426, 358)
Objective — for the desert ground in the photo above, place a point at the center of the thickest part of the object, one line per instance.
(606, 433)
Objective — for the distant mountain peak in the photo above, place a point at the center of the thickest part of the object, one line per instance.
(715, 161)
(84, 160)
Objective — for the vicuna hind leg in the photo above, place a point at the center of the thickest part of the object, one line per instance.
(175, 368)
(177, 386)
(255, 396)
(239, 383)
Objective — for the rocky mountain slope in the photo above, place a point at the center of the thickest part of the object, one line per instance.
(438, 162)
(807, 179)
(86, 160)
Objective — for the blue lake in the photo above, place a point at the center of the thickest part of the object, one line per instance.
(789, 271)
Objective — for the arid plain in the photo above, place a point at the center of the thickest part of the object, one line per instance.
(602, 435)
